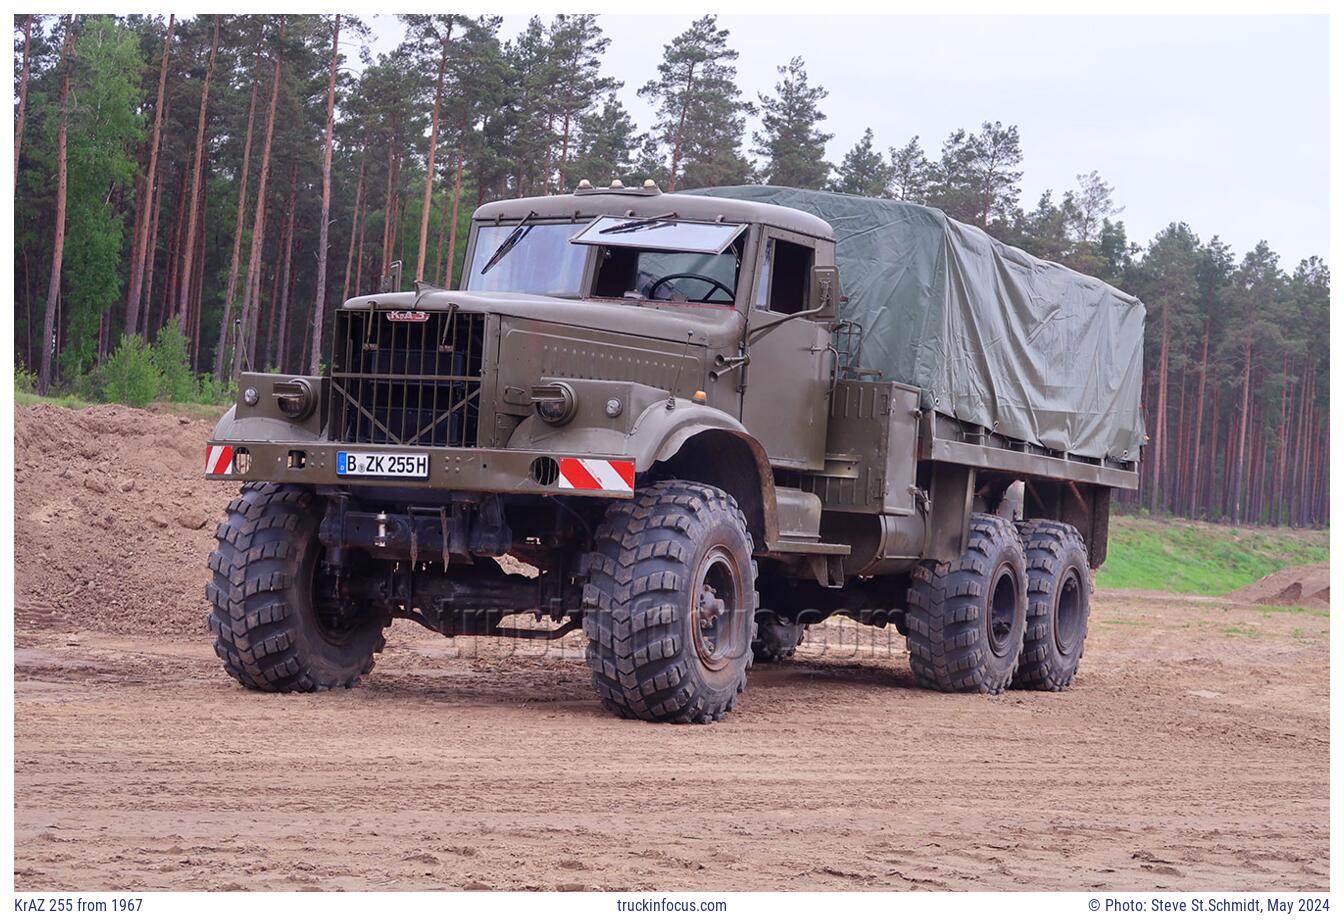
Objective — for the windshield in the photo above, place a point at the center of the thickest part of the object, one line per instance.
(663, 232)
(541, 260)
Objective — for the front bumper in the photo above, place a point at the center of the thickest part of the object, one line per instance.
(459, 469)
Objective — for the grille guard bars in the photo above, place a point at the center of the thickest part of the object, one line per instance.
(408, 378)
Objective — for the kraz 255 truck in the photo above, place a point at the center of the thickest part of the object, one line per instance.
(707, 421)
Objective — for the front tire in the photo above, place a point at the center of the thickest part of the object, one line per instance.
(966, 619)
(1059, 601)
(670, 604)
(278, 624)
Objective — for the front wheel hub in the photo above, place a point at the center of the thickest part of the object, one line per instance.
(718, 610)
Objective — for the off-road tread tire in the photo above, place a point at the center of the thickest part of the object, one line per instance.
(949, 650)
(1050, 546)
(774, 643)
(264, 642)
(635, 608)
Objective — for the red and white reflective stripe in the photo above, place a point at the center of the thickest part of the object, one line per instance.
(218, 460)
(597, 475)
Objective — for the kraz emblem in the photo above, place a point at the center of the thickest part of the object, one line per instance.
(408, 316)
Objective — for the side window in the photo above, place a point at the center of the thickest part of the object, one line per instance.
(763, 282)
(785, 276)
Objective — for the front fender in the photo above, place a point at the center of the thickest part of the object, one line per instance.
(657, 434)
(259, 428)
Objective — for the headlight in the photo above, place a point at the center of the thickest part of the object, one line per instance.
(295, 398)
(555, 402)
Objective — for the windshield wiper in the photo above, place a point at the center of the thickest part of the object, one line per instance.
(632, 225)
(510, 241)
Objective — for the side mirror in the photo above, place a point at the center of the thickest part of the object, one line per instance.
(825, 296)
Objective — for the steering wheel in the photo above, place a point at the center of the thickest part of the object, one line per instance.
(713, 283)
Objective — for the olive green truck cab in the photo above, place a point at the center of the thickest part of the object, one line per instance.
(644, 415)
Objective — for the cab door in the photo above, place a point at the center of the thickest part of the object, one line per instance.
(787, 377)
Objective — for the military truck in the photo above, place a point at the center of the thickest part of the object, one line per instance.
(690, 425)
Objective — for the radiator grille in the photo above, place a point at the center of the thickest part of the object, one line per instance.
(409, 383)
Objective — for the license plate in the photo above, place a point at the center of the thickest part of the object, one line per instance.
(404, 466)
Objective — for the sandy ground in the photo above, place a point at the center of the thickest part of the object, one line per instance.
(1191, 753)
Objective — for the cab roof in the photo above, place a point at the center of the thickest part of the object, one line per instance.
(639, 202)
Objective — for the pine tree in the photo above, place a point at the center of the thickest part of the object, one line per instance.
(21, 113)
(998, 153)
(910, 172)
(577, 46)
(700, 113)
(1167, 283)
(1094, 206)
(430, 39)
(606, 144)
(324, 226)
(196, 175)
(975, 178)
(793, 148)
(140, 253)
(863, 171)
(65, 65)
(246, 342)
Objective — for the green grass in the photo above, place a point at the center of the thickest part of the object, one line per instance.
(32, 399)
(191, 410)
(1189, 557)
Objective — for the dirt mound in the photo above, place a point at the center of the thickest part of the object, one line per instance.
(1300, 586)
(112, 519)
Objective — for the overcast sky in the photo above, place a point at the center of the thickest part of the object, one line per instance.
(1218, 121)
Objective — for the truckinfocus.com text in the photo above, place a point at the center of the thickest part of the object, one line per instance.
(660, 905)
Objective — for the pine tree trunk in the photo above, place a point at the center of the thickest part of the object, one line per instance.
(19, 116)
(246, 340)
(271, 306)
(564, 153)
(450, 266)
(284, 277)
(27, 310)
(1253, 449)
(197, 161)
(438, 249)
(58, 242)
(200, 283)
(1160, 455)
(137, 276)
(1199, 419)
(1298, 511)
(1210, 477)
(1280, 449)
(429, 161)
(388, 208)
(681, 128)
(1229, 460)
(226, 318)
(546, 157)
(176, 260)
(359, 254)
(354, 230)
(151, 253)
(1239, 476)
(324, 227)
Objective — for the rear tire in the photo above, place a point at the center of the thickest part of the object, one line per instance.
(1058, 603)
(272, 613)
(966, 619)
(670, 604)
(777, 638)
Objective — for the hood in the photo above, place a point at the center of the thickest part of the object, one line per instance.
(714, 326)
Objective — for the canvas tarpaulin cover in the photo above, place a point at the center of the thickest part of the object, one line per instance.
(993, 336)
